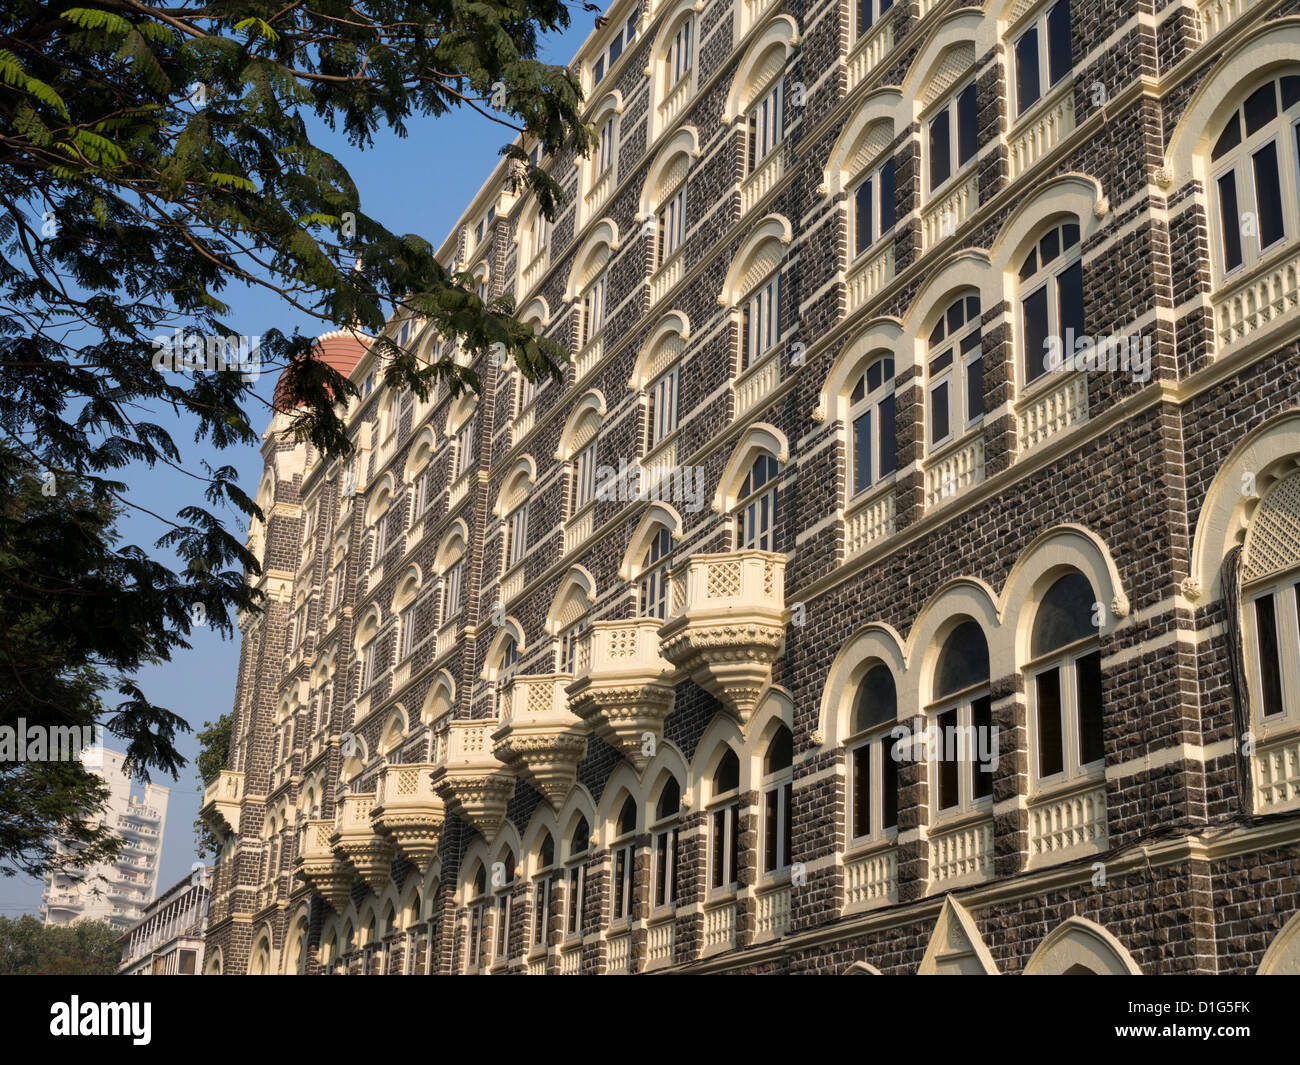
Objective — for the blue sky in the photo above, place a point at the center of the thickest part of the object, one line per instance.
(417, 184)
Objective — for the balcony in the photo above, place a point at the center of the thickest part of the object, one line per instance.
(1041, 129)
(1048, 412)
(471, 780)
(1256, 302)
(321, 868)
(871, 880)
(1277, 775)
(620, 686)
(959, 856)
(869, 276)
(1062, 827)
(356, 841)
(869, 52)
(757, 383)
(869, 519)
(221, 803)
(762, 180)
(410, 812)
(540, 739)
(620, 954)
(727, 624)
(772, 917)
(945, 216)
(720, 928)
(952, 470)
(660, 944)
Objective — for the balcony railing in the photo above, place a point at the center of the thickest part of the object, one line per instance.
(961, 855)
(1067, 826)
(772, 918)
(1277, 775)
(953, 471)
(871, 880)
(1052, 411)
(762, 179)
(868, 520)
(1247, 306)
(757, 383)
(1047, 124)
(720, 928)
(870, 51)
(871, 275)
(942, 218)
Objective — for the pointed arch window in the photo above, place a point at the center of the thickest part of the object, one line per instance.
(665, 828)
(542, 889)
(624, 861)
(758, 501)
(503, 904)
(478, 910)
(778, 791)
(576, 878)
(654, 575)
(724, 827)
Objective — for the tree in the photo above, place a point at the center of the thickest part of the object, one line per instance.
(214, 748)
(151, 157)
(84, 948)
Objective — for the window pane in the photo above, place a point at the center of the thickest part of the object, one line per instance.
(948, 767)
(1034, 309)
(1091, 745)
(939, 427)
(888, 785)
(719, 847)
(787, 824)
(1064, 615)
(734, 856)
(864, 16)
(1260, 108)
(1229, 221)
(1070, 301)
(963, 661)
(1270, 669)
(1059, 62)
(862, 790)
(967, 125)
(1229, 138)
(974, 388)
(862, 452)
(862, 216)
(877, 699)
(770, 828)
(888, 441)
(1051, 753)
(940, 150)
(1026, 70)
(661, 869)
(1268, 195)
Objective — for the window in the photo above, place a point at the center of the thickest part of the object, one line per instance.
(662, 415)
(504, 902)
(576, 878)
(1270, 608)
(336, 587)
(765, 126)
(408, 631)
(624, 36)
(624, 862)
(593, 312)
(539, 231)
(654, 575)
(677, 61)
(871, 415)
(665, 830)
(870, 12)
(452, 589)
(525, 393)
(542, 890)
(758, 505)
(1255, 174)
(874, 768)
(873, 207)
(1065, 681)
(953, 136)
(1042, 55)
(1051, 297)
(584, 477)
(369, 661)
(477, 913)
(1268, 614)
(956, 370)
(516, 535)
(962, 718)
(568, 649)
(464, 449)
(672, 224)
(724, 838)
(777, 794)
(381, 539)
(761, 321)
(604, 149)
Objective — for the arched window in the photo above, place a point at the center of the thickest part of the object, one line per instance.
(544, 870)
(665, 828)
(576, 877)
(506, 665)
(1051, 298)
(503, 882)
(956, 371)
(654, 575)
(962, 717)
(591, 311)
(871, 413)
(1064, 675)
(874, 210)
(1255, 169)
(778, 787)
(670, 222)
(874, 777)
(1271, 609)
(724, 827)
(765, 123)
(952, 136)
(478, 910)
(760, 325)
(758, 505)
(1042, 54)
(624, 861)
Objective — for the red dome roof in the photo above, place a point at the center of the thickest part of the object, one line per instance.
(341, 350)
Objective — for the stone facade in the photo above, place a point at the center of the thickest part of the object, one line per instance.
(506, 713)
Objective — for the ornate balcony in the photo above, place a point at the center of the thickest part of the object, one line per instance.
(221, 803)
(328, 874)
(356, 841)
(471, 780)
(727, 624)
(410, 812)
(540, 738)
(620, 685)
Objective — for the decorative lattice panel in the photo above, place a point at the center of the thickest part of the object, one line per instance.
(1273, 543)
(957, 62)
(723, 581)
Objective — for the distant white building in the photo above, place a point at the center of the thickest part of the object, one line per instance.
(117, 891)
(168, 939)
